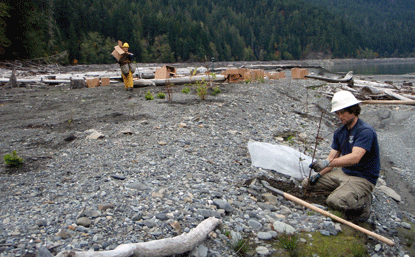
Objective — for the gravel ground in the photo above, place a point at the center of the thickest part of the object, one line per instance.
(161, 167)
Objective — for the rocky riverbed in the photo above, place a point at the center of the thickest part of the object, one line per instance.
(104, 167)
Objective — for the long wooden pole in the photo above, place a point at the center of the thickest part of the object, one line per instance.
(392, 102)
(328, 214)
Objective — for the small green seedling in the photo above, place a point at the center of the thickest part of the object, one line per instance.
(216, 90)
(201, 89)
(149, 96)
(161, 95)
(240, 247)
(12, 160)
(186, 90)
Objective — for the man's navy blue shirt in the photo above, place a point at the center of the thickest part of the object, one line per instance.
(361, 135)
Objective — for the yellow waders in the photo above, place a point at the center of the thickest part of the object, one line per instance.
(128, 80)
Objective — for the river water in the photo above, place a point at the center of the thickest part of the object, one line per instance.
(375, 66)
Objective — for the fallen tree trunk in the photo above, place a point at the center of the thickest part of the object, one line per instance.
(143, 83)
(387, 91)
(409, 96)
(362, 83)
(280, 66)
(379, 88)
(163, 247)
(348, 78)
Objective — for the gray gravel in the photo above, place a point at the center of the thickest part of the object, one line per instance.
(163, 167)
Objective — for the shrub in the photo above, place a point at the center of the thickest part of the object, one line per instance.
(201, 89)
(149, 96)
(161, 95)
(12, 160)
(186, 90)
(216, 90)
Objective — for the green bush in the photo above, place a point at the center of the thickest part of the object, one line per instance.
(161, 95)
(186, 90)
(149, 96)
(201, 89)
(216, 90)
(12, 160)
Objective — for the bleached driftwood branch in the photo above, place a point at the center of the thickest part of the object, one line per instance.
(163, 247)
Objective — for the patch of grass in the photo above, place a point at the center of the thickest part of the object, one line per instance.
(13, 160)
(290, 139)
(338, 214)
(241, 247)
(290, 244)
(348, 243)
(227, 233)
(407, 238)
(358, 250)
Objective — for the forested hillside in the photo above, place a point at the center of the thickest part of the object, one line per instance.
(181, 30)
(387, 26)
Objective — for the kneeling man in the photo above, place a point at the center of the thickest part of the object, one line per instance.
(350, 172)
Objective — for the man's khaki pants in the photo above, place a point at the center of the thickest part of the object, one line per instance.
(345, 192)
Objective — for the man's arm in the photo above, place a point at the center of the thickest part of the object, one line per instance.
(349, 159)
(333, 154)
(345, 160)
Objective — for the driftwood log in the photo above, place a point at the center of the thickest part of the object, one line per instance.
(380, 88)
(163, 247)
(362, 83)
(348, 78)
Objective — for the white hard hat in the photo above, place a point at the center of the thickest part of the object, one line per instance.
(343, 99)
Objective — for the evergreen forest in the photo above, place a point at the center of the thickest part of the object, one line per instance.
(187, 31)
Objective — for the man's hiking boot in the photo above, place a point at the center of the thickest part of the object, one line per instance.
(360, 215)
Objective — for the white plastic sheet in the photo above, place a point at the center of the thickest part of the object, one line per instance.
(280, 158)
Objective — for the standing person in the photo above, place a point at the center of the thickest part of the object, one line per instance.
(350, 172)
(126, 67)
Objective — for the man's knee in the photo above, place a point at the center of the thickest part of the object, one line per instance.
(342, 202)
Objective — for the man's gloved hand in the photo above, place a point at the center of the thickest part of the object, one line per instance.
(319, 165)
(314, 179)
